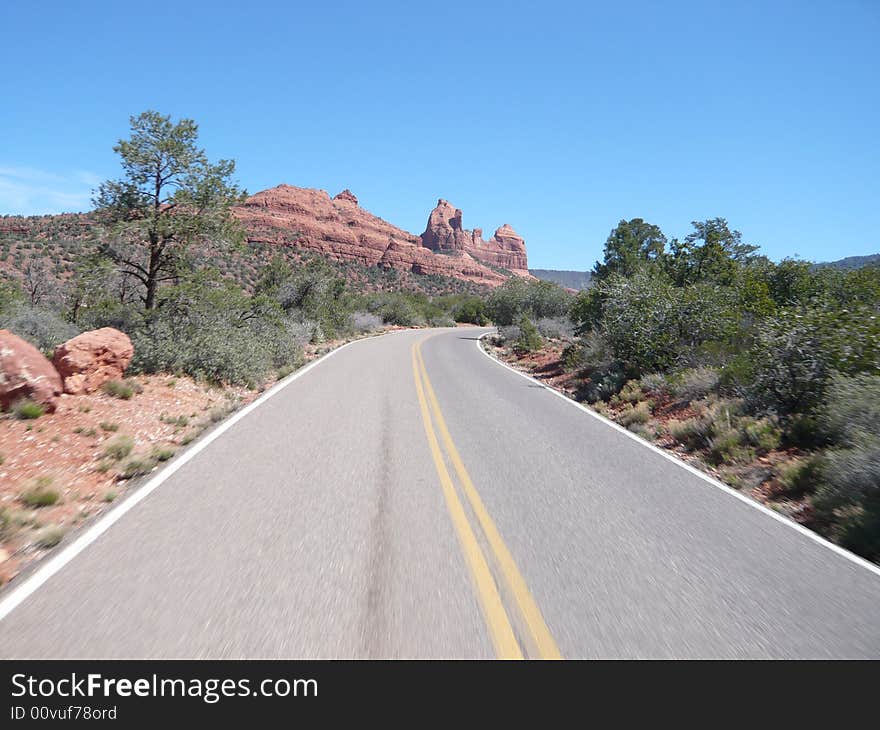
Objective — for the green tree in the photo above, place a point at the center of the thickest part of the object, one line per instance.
(529, 338)
(630, 247)
(169, 198)
(712, 252)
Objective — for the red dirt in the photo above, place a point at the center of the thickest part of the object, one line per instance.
(67, 447)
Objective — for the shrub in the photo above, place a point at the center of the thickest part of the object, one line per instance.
(43, 328)
(472, 310)
(402, 313)
(798, 351)
(40, 494)
(365, 322)
(631, 392)
(508, 334)
(694, 383)
(529, 338)
(213, 331)
(107, 426)
(119, 447)
(137, 466)
(163, 454)
(603, 383)
(850, 485)
(727, 446)
(852, 409)
(638, 414)
(848, 490)
(517, 297)
(284, 371)
(557, 328)
(49, 537)
(799, 476)
(573, 357)
(763, 433)
(25, 410)
(693, 433)
(655, 384)
(441, 320)
(652, 325)
(118, 389)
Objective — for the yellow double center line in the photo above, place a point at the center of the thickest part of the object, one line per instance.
(497, 618)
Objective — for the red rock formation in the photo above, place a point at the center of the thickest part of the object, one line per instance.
(25, 373)
(346, 195)
(92, 358)
(444, 232)
(340, 229)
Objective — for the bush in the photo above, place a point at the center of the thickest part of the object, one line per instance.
(573, 357)
(25, 410)
(529, 338)
(536, 299)
(557, 328)
(163, 454)
(848, 474)
(118, 389)
(43, 328)
(49, 537)
(727, 446)
(137, 466)
(40, 494)
(441, 320)
(652, 325)
(508, 334)
(119, 447)
(472, 311)
(693, 433)
(763, 433)
(638, 414)
(603, 383)
(852, 409)
(694, 383)
(798, 351)
(365, 322)
(213, 331)
(631, 392)
(655, 384)
(402, 313)
(800, 476)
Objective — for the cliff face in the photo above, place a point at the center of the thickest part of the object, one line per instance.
(340, 229)
(444, 232)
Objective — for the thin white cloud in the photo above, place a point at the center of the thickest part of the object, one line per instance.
(30, 191)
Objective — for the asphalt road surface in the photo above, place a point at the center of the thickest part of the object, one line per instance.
(410, 497)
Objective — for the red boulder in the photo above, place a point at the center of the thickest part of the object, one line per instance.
(25, 373)
(89, 360)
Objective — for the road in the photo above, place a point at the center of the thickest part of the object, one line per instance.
(411, 497)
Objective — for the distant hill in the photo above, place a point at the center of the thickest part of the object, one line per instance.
(571, 279)
(850, 262)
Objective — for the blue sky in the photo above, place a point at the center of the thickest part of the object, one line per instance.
(558, 118)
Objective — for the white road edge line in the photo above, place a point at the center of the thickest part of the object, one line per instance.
(33, 582)
(692, 469)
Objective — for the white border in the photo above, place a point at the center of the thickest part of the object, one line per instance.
(692, 469)
(20, 593)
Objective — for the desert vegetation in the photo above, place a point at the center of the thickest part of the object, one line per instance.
(766, 373)
(162, 259)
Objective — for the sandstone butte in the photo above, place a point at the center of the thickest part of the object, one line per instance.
(340, 229)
